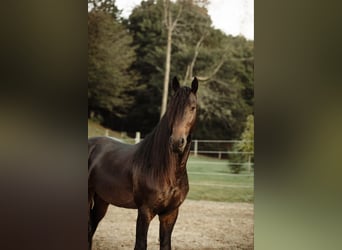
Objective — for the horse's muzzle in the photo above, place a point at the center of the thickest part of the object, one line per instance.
(178, 145)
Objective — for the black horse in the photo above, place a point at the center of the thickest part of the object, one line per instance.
(150, 176)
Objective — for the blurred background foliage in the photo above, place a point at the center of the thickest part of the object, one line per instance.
(126, 67)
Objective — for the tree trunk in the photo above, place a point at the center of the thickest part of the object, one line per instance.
(167, 72)
(170, 26)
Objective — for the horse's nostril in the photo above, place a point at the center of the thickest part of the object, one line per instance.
(181, 142)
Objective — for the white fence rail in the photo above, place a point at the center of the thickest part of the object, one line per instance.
(215, 149)
(222, 148)
(196, 151)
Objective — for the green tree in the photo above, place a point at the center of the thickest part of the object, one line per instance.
(107, 6)
(149, 38)
(110, 56)
(247, 137)
(225, 71)
(148, 24)
(245, 145)
(223, 64)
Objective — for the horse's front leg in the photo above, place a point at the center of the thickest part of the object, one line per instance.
(167, 222)
(145, 216)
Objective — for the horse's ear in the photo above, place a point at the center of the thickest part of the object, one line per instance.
(175, 84)
(194, 85)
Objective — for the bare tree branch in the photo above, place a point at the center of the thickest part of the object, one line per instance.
(189, 72)
(174, 24)
(190, 68)
(216, 69)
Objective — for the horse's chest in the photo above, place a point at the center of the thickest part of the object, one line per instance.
(171, 198)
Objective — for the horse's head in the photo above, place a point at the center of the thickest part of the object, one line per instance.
(182, 110)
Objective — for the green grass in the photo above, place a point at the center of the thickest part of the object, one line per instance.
(210, 178)
(210, 181)
(220, 194)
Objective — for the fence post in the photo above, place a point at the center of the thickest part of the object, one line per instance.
(106, 132)
(249, 163)
(137, 137)
(195, 147)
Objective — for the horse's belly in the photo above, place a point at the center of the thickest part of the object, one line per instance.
(123, 200)
(116, 192)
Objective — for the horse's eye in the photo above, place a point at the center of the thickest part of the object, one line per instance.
(193, 108)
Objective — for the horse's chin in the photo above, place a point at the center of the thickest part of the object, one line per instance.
(178, 150)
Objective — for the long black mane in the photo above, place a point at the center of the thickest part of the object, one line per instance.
(154, 156)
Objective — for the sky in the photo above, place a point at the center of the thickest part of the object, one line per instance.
(233, 17)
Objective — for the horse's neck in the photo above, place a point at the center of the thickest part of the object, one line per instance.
(185, 155)
(160, 154)
(181, 160)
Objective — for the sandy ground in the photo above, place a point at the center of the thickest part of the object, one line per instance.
(200, 225)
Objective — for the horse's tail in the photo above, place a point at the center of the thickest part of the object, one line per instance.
(91, 149)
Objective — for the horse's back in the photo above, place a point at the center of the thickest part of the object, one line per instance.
(108, 151)
(105, 144)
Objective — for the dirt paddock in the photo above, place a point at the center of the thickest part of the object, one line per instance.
(200, 225)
